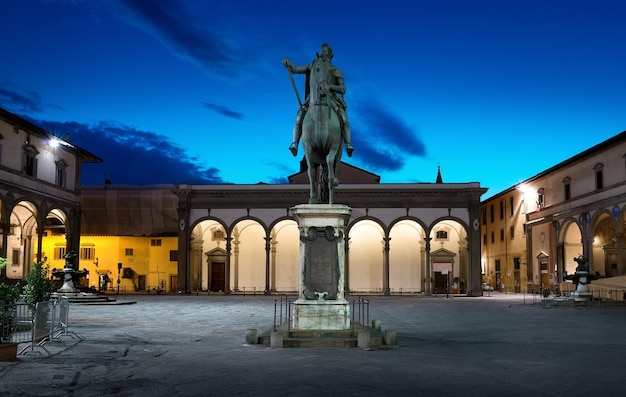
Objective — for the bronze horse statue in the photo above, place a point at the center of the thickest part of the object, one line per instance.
(321, 136)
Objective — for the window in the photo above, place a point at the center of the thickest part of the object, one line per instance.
(501, 234)
(29, 160)
(155, 242)
(484, 211)
(501, 209)
(129, 251)
(174, 256)
(567, 192)
(15, 257)
(491, 212)
(87, 253)
(61, 173)
(599, 176)
(517, 264)
(441, 235)
(493, 237)
(485, 239)
(512, 232)
(511, 207)
(497, 265)
(59, 252)
(540, 199)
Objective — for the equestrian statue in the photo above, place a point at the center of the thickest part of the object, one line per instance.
(321, 123)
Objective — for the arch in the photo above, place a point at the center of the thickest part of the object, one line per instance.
(570, 236)
(353, 223)
(249, 218)
(406, 256)
(449, 253)
(285, 256)
(604, 248)
(22, 226)
(247, 256)
(365, 262)
(207, 270)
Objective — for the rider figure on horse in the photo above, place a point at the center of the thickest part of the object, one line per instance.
(336, 88)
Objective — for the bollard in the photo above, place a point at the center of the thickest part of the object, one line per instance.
(363, 340)
(376, 324)
(390, 337)
(251, 336)
(276, 340)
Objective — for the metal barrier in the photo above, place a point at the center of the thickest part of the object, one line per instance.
(49, 321)
(41, 328)
(282, 306)
(364, 312)
(59, 319)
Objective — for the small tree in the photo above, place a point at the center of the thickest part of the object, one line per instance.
(8, 297)
(39, 287)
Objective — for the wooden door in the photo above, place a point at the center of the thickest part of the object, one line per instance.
(218, 276)
(441, 283)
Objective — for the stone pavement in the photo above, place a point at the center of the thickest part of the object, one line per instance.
(505, 345)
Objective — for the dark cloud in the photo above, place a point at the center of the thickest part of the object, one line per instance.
(223, 110)
(382, 141)
(132, 156)
(172, 24)
(20, 102)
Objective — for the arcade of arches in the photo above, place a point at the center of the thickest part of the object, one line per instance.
(259, 263)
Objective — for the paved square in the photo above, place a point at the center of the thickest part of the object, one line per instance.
(509, 345)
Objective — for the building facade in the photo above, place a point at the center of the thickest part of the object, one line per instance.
(532, 232)
(401, 238)
(242, 239)
(39, 192)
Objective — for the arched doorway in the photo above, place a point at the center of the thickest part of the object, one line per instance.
(449, 257)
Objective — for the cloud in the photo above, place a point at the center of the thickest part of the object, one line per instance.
(223, 110)
(382, 140)
(132, 156)
(170, 22)
(21, 103)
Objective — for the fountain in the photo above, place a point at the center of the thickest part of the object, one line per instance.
(69, 275)
(582, 278)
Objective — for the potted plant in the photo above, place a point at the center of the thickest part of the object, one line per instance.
(8, 297)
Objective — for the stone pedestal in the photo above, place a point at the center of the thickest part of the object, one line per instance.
(321, 303)
(582, 292)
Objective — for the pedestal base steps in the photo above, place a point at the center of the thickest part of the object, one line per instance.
(363, 337)
(86, 298)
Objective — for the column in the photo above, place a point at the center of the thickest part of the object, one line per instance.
(428, 290)
(227, 270)
(267, 264)
(386, 290)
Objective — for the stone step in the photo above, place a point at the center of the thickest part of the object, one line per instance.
(322, 338)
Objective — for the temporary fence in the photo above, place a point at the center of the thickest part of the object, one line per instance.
(48, 322)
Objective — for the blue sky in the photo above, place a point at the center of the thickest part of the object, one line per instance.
(168, 91)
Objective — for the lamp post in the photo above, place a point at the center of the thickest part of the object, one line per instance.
(119, 269)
